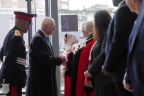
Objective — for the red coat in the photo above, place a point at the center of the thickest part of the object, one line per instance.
(67, 82)
(82, 67)
(67, 77)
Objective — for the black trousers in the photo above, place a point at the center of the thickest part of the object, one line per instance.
(106, 90)
(121, 91)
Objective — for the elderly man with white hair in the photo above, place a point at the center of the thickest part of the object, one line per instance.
(42, 68)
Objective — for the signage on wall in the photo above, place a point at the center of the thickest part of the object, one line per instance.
(69, 23)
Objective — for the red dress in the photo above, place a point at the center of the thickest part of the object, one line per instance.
(67, 77)
(82, 67)
(67, 90)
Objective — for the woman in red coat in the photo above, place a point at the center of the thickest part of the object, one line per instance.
(84, 59)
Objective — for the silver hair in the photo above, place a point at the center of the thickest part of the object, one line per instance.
(47, 21)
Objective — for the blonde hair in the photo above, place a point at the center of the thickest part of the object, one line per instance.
(88, 27)
(95, 32)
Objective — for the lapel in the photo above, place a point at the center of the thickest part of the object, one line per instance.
(136, 29)
(48, 43)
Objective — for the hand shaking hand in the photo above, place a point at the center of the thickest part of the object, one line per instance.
(64, 60)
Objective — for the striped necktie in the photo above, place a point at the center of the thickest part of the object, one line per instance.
(49, 44)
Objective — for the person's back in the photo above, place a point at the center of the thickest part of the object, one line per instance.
(117, 45)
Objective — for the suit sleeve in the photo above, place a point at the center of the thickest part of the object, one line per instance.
(1, 54)
(39, 51)
(123, 23)
(96, 65)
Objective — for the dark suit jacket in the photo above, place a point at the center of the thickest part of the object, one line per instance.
(135, 66)
(117, 41)
(42, 79)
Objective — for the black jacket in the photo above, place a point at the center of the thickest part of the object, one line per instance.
(97, 60)
(117, 41)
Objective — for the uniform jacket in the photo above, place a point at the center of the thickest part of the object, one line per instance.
(117, 42)
(42, 68)
(13, 56)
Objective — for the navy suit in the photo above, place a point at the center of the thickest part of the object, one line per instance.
(117, 44)
(42, 71)
(135, 68)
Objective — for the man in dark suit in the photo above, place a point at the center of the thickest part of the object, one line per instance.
(42, 68)
(134, 79)
(13, 56)
(117, 46)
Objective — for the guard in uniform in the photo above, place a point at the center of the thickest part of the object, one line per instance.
(13, 56)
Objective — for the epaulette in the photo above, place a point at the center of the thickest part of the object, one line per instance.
(17, 33)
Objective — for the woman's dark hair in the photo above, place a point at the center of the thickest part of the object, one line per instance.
(101, 19)
(65, 35)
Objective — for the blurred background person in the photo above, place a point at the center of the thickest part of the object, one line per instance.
(42, 63)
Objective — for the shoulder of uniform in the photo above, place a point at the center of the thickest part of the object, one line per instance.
(17, 33)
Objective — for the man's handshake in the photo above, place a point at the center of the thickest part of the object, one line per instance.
(64, 60)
